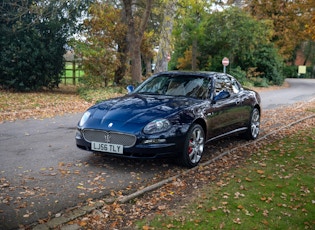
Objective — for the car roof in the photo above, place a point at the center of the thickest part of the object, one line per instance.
(189, 73)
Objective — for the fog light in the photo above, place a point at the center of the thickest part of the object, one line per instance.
(154, 141)
(78, 135)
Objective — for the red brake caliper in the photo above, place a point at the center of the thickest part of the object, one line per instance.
(190, 149)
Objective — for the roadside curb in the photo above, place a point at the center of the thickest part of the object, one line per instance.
(81, 211)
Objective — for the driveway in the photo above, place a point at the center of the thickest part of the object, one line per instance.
(42, 172)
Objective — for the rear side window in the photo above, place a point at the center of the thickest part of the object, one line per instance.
(226, 83)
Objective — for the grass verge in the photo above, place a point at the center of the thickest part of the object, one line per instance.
(274, 189)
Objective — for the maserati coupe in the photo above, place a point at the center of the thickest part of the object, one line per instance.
(171, 114)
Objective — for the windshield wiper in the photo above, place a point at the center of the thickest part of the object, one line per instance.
(150, 93)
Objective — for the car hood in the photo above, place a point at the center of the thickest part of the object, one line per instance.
(134, 111)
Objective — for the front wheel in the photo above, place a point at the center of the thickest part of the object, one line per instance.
(194, 146)
(254, 125)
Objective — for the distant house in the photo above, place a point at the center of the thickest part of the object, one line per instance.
(300, 59)
(70, 56)
(305, 54)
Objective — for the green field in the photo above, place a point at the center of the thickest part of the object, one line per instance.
(72, 73)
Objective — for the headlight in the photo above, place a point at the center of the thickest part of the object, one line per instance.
(156, 126)
(84, 118)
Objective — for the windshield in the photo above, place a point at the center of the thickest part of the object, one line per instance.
(176, 85)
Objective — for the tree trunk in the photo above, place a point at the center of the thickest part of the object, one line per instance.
(134, 37)
(148, 66)
(136, 73)
(194, 54)
(165, 41)
(122, 49)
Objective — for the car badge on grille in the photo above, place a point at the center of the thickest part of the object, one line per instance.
(107, 137)
(110, 125)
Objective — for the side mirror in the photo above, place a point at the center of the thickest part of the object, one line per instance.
(222, 95)
(130, 88)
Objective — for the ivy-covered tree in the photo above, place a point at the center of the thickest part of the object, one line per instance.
(33, 36)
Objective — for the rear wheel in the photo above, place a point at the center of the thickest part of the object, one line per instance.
(254, 125)
(194, 146)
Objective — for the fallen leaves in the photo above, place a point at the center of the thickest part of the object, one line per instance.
(237, 221)
(40, 105)
(172, 197)
(260, 172)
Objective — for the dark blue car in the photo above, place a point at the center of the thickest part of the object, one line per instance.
(171, 114)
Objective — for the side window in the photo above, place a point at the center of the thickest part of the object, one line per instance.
(225, 86)
(235, 87)
(223, 83)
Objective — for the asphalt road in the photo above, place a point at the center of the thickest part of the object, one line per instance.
(299, 90)
(42, 172)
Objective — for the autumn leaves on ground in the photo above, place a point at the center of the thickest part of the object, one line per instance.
(39, 105)
(264, 185)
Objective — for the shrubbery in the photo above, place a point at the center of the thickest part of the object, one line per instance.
(33, 36)
(29, 61)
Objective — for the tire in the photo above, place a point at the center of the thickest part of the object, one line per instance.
(254, 125)
(194, 146)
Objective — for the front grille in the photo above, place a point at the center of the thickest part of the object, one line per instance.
(126, 140)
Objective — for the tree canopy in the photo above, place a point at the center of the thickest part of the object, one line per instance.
(122, 36)
(33, 36)
(291, 19)
(235, 34)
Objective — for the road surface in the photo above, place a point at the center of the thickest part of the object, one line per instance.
(42, 172)
(299, 90)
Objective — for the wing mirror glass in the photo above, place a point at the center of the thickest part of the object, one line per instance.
(130, 88)
(222, 95)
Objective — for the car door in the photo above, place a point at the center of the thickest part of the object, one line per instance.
(225, 114)
(242, 111)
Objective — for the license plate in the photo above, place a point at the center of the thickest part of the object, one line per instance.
(107, 147)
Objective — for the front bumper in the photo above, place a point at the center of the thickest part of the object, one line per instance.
(149, 148)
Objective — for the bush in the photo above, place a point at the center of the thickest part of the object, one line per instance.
(239, 74)
(31, 62)
(261, 82)
(92, 82)
(290, 71)
(269, 64)
(33, 36)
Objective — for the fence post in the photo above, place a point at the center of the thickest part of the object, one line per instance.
(73, 72)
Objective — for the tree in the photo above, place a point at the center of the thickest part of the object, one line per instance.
(164, 52)
(269, 64)
(235, 34)
(136, 25)
(310, 27)
(120, 38)
(291, 19)
(189, 28)
(147, 50)
(33, 36)
(104, 49)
